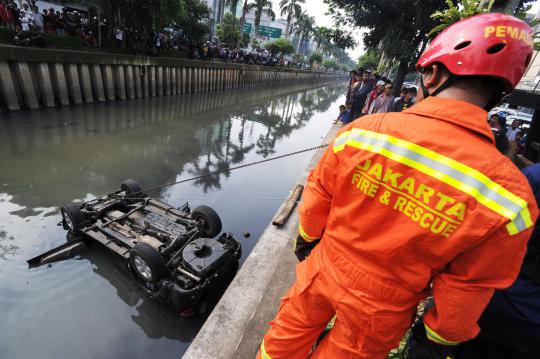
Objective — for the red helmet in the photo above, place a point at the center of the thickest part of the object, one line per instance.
(493, 44)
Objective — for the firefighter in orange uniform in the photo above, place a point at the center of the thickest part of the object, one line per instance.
(406, 203)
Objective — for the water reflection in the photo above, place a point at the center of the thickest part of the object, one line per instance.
(58, 148)
(51, 156)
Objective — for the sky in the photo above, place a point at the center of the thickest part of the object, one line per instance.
(318, 9)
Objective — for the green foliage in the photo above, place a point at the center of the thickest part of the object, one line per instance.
(196, 22)
(330, 64)
(464, 9)
(244, 41)
(64, 41)
(6, 35)
(281, 46)
(229, 31)
(398, 29)
(261, 6)
(369, 60)
(256, 45)
(292, 9)
(145, 15)
(316, 57)
(521, 13)
(342, 39)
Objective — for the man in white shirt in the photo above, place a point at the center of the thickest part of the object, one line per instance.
(514, 130)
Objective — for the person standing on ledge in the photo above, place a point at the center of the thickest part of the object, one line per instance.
(394, 211)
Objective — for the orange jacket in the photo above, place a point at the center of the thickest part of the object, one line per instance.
(424, 198)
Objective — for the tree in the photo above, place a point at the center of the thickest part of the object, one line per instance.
(321, 35)
(369, 60)
(453, 14)
(398, 30)
(315, 57)
(280, 46)
(196, 22)
(192, 16)
(229, 31)
(291, 9)
(303, 28)
(330, 64)
(245, 9)
(261, 6)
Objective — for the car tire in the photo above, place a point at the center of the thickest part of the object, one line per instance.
(147, 264)
(211, 222)
(132, 189)
(72, 217)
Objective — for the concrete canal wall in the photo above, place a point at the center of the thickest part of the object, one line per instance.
(106, 118)
(33, 78)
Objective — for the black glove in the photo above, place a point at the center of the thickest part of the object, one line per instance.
(302, 249)
(420, 347)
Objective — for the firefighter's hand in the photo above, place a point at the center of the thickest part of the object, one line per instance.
(420, 347)
(302, 249)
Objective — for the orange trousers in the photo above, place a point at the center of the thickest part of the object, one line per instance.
(372, 316)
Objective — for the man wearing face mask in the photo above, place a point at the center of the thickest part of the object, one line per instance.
(393, 212)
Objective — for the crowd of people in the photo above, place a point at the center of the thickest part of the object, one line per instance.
(510, 140)
(210, 51)
(30, 25)
(370, 93)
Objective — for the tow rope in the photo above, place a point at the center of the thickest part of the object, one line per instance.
(235, 168)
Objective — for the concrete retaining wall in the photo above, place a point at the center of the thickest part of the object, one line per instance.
(33, 78)
(237, 324)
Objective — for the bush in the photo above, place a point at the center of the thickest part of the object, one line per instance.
(281, 46)
(229, 31)
(64, 41)
(315, 58)
(6, 35)
(331, 65)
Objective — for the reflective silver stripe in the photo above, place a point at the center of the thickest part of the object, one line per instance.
(340, 141)
(519, 222)
(517, 217)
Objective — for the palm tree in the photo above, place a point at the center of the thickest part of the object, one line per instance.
(245, 9)
(303, 28)
(260, 6)
(321, 38)
(293, 10)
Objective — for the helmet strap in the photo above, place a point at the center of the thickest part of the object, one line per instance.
(493, 102)
(449, 81)
(452, 79)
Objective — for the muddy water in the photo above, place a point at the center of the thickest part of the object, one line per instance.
(88, 307)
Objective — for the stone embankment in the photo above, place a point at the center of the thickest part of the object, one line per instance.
(33, 78)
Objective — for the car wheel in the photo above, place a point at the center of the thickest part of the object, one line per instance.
(147, 264)
(210, 221)
(131, 188)
(72, 217)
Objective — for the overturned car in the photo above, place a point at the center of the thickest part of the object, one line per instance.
(176, 255)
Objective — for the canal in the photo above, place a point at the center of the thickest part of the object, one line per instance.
(88, 307)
